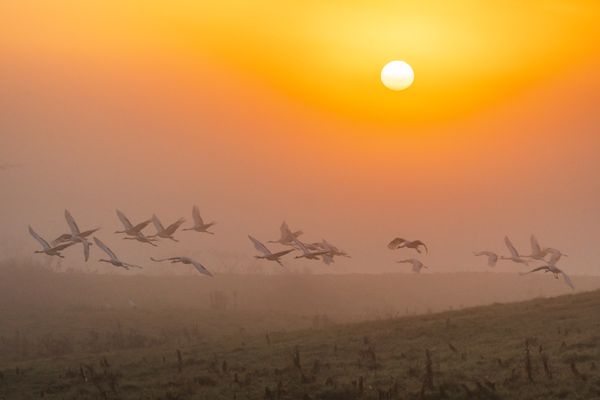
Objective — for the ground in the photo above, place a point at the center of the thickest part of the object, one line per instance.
(540, 349)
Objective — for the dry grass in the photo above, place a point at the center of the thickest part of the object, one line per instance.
(542, 349)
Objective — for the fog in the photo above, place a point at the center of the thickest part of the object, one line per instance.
(92, 144)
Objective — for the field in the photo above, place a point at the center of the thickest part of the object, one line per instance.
(538, 349)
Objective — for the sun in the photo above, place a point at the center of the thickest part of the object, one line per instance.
(397, 75)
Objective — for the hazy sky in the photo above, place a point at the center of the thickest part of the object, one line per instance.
(265, 111)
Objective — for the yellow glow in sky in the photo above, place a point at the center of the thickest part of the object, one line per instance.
(328, 55)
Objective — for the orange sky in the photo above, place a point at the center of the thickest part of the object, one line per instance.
(260, 111)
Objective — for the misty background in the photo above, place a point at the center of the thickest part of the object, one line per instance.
(98, 141)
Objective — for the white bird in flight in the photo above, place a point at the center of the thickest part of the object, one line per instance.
(140, 237)
(134, 232)
(309, 254)
(332, 251)
(287, 236)
(66, 237)
(417, 265)
(185, 260)
(491, 256)
(539, 253)
(555, 270)
(129, 228)
(399, 243)
(46, 248)
(514, 254)
(77, 236)
(114, 260)
(536, 250)
(199, 225)
(166, 233)
(267, 254)
(555, 255)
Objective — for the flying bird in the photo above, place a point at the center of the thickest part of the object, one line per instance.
(332, 251)
(514, 254)
(46, 248)
(267, 254)
(539, 253)
(309, 254)
(417, 265)
(555, 255)
(536, 250)
(555, 270)
(140, 237)
(77, 236)
(399, 243)
(114, 260)
(491, 256)
(199, 224)
(129, 228)
(66, 237)
(287, 236)
(166, 233)
(134, 232)
(185, 260)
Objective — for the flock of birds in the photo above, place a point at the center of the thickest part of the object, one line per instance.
(131, 231)
(548, 256)
(322, 250)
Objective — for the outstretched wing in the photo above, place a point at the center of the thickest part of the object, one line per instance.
(124, 220)
(89, 232)
(300, 246)
(542, 268)
(510, 247)
(285, 230)
(535, 246)
(420, 243)
(37, 237)
(61, 239)
(174, 226)
(260, 247)
(196, 215)
(127, 265)
(201, 268)
(568, 280)
(555, 256)
(157, 224)
(86, 249)
(105, 248)
(140, 227)
(72, 224)
(175, 259)
(394, 244)
(282, 253)
(62, 246)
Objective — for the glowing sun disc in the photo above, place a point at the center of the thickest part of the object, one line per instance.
(397, 75)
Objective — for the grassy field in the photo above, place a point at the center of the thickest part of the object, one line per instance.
(540, 349)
